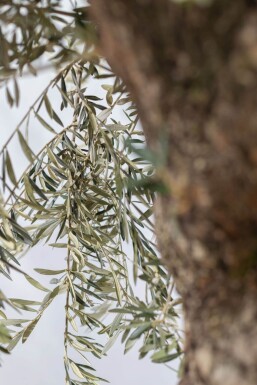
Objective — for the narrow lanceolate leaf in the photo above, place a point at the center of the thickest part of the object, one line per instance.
(57, 119)
(16, 92)
(3, 170)
(65, 98)
(48, 106)
(51, 295)
(110, 343)
(14, 341)
(13, 322)
(44, 123)
(19, 301)
(33, 204)
(140, 330)
(49, 272)
(21, 232)
(35, 283)
(37, 190)
(2, 314)
(29, 189)
(104, 114)
(32, 188)
(117, 287)
(76, 370)
(25, 147)
(161, 357)
(10, 169)
(9, 97)
(5, 254)
(29, 329)
(2, 349)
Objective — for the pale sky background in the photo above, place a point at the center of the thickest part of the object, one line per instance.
(40, 360)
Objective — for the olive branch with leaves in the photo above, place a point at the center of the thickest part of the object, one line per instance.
(83, 193)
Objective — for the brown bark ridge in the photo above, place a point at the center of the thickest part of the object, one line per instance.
(192, 70)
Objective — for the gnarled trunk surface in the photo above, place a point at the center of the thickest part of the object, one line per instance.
(192, 71)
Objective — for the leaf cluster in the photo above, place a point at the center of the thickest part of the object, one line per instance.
(31, 30)
(88, 193)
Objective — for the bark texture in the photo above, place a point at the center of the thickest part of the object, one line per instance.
(192, 71)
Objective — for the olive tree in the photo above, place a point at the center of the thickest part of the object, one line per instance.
(191, 68)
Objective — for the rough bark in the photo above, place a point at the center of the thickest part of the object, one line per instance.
(192, 71)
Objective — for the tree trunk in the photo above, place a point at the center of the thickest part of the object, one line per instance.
(192, 71)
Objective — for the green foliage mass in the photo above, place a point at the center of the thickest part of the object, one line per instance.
(86, 191)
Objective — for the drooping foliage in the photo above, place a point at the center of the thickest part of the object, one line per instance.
(88, 191)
